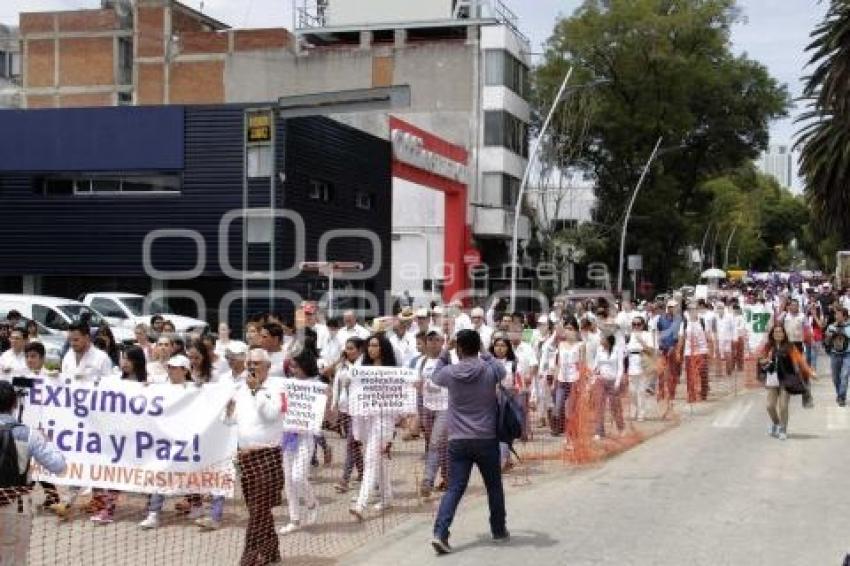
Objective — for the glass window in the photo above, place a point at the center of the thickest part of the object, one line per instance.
(500, 189)
(4, 64)
(503, 69)
(125, 61)
(99, 185)
(108, 307)
(503, 129)
(49, 317)
(15, 64)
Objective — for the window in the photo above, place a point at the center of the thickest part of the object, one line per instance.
(125, 99)
(5, 71)
(363, 200)
(111, 185)
(503, 69)
(49, 317)
(503, 129)
(320, 190)
(501, 189)
(108, 307)
(125, 61)
(260, 161)
(15, 64)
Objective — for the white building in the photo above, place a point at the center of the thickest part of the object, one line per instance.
(467, 66)
(10, 67)
(778, 161)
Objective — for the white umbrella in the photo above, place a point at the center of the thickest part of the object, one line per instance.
(713, 273)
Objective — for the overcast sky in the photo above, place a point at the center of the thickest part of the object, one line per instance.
(775, 31)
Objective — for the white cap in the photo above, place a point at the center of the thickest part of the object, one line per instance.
(543, 319)
(438, 310)
(179, 361)
(236, 350)
(422, 313)
(477, 311)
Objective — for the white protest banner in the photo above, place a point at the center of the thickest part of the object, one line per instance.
(382, 390)
(123, 435)
(434, 397)
(304, 405)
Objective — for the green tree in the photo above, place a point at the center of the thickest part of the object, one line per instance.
(670, 72)
(825, 137)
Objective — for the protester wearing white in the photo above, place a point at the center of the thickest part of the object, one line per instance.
(484, 331)
(639, 345)
(224, 340)
(83, 361)
(351, 328)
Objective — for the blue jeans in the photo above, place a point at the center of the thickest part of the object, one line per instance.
(840, 365)
(462, 455)
(812, 356)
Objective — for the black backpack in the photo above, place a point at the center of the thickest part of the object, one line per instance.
(510, 417)
(10, 473)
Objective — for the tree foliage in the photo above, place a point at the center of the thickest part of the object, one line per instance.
(669, 72)
(825, 137)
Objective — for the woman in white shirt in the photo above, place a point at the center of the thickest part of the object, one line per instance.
(541, 393)
(571, 359)
(639, 346)
(503, 350)
(297, 451)
(352, 356)
(608, 373)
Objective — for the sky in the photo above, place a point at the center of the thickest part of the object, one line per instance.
(774, 32)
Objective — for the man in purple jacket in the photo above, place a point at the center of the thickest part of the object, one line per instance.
(472, 417)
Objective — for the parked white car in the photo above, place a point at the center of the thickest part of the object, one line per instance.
(57, 313)
(126, 310)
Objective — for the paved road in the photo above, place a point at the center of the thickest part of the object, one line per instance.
(715, 491)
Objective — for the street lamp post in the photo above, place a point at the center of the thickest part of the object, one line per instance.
(535, 148)
(629, 212)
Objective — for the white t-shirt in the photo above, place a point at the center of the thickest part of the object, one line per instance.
(609, 365)
(794, 326)
(12, 365)
(434, 397)
(486, 334)
(726, 328)
(278, 358)
(695, 337)
(526, 359)
(637, 342)
(569, 361)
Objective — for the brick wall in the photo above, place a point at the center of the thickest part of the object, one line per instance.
(86, 61)
(259, 39)
(38, 101)
(88, 20)
(150, 87)
(149, 32)
(199, 82)
(36, 22)
(79, 100)
(40, 63)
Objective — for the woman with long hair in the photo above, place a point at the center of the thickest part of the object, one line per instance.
(376, 433)
(252, 334)
(572, 357)
(134, 365)
(641, 352)
(503, 351)
(297, 448)
(608, 371)
(784, 372)
(110, 346)
(202, 363)
(352, 356)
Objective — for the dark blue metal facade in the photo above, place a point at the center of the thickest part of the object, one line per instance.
(70, 239)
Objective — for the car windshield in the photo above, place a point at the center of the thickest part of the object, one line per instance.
(136, 306)
(74, 311)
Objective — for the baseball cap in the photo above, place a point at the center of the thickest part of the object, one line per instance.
(236, 350)
(422, 313)
(179, 361)
(477, 311)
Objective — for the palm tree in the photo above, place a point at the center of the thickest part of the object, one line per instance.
(824, 139)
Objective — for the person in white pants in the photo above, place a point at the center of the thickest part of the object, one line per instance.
(297, 451)
(375, 433)
(640, 342)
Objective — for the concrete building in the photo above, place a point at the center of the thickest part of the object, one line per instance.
(778, 161)
(10, 67)
(465, 61)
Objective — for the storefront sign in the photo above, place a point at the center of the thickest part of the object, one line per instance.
(410, 149)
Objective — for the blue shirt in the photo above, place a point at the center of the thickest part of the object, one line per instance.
(38, 447)
(668, 332)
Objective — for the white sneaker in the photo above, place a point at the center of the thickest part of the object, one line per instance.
(196, 512)
(382, 506)
(290, 528)
(151, 521)
(312, 515)
(597, 437)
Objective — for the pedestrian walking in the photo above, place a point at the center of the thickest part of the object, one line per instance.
(472, 418)
(784, 373)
